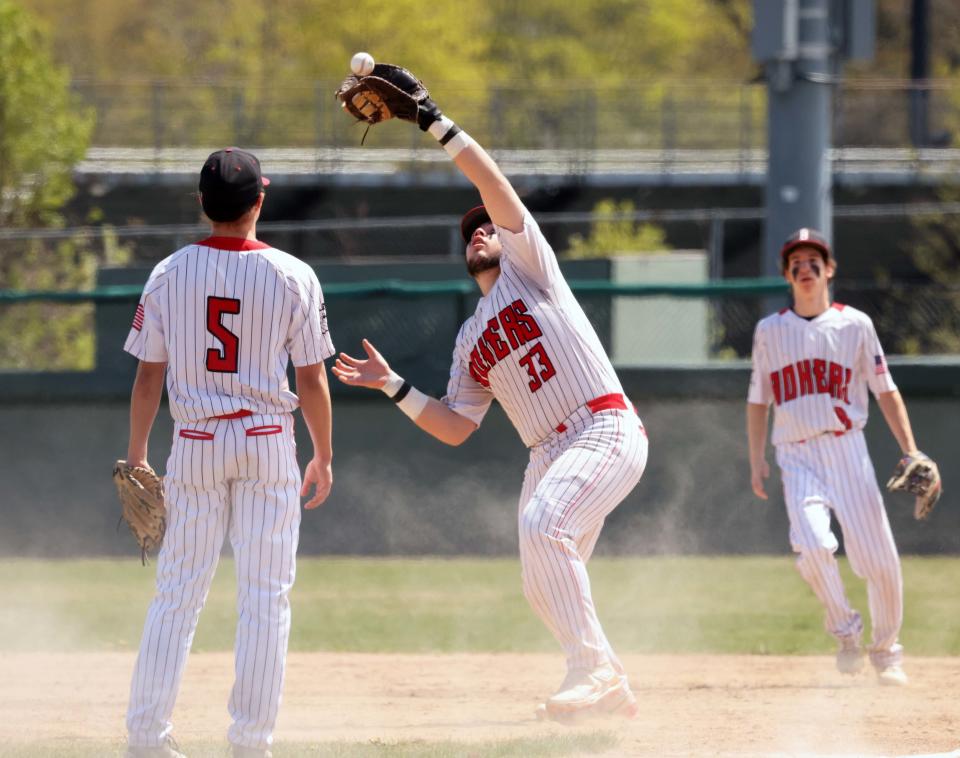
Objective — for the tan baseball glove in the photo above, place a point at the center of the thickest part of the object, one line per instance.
(387, 92)
(920, 476)
(141, 505)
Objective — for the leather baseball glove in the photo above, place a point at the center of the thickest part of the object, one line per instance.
(918, 475)
(141, 505)
(387, 92)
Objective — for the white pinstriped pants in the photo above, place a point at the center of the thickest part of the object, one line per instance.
(835, 473)
(239, 476)
(573, 481)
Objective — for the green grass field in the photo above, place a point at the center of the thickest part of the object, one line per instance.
(648, 605)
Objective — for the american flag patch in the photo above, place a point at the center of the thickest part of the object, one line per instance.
(324, 329)
(879, 365)
(138, 318)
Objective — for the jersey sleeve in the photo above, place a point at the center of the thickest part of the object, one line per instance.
(465, 395)
(308, 340)
(761, 390)
(146, 338)
(529, 251)
(873, 363)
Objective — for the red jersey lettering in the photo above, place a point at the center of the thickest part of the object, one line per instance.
(510, 327)
(775, 382)
(492, 336)
(820, 374)
(836, 380)
(804, 377)
(527, 323)
(789, 384)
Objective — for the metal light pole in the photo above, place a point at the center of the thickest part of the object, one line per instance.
(802, 44)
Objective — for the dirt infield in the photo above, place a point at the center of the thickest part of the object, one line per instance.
(692, 705)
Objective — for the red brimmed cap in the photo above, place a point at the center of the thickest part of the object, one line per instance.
(471, 220)
(805, 237)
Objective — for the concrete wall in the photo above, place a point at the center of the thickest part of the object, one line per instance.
(659, 330)
(397, 491)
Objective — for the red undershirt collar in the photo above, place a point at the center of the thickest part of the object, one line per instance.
(234, 243)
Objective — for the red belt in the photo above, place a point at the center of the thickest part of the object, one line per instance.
(606, 402)
(614, 401)
(232, 416)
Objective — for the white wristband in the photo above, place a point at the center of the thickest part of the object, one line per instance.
(408, 398)
(393, 385)
(414, 403)
(440, 127)
(458, 143)
(450, 136)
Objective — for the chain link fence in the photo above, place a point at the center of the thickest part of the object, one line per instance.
(670, 115)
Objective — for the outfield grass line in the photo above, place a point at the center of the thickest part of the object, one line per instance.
(662, 604)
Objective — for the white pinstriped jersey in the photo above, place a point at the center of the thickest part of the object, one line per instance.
(227, 314)
(529, 344)
(816, 372)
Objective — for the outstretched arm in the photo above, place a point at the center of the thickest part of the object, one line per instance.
(365, 99)
(499, 197)
(428, 413)
(525, 244)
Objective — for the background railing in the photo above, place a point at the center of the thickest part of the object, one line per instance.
(439, 235)
(640, 324)
(698, 115)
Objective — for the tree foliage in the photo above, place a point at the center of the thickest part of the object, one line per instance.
(466, 43)
(613, 232)
(605, 41)
(43, 134)
(254, 73)
(43, 131)
(467, 47)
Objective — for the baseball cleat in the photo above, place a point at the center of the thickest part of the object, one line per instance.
(850, 657)
(892, 676)
(600, 689)
(625, 707)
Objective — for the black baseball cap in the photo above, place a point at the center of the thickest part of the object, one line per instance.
(230, 182)
(805, 237)
(473, 218)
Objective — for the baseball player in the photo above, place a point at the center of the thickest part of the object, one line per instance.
(220, 319)
(814, 362)
(530, 346)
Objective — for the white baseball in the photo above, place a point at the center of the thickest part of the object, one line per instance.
(361, 64)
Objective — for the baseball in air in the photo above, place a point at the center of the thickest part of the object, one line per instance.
(361, 64)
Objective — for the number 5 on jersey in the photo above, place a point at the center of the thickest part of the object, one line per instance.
(222, 361)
